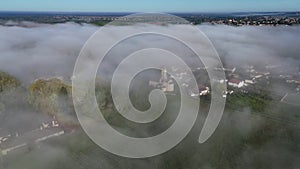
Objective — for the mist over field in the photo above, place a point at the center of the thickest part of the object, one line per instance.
(29, 51)
(255, 44)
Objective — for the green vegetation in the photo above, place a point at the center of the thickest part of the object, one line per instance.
(53, 97)
(11, 92)
(100, 23)
(8, 82)
(256, 102)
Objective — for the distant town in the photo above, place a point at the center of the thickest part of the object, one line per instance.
(234, 19)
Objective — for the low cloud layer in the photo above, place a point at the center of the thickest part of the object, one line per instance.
(32, 51)
(51, 50)
(42, 50)
(253, 44)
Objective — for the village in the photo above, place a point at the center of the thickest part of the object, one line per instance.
(244, 79)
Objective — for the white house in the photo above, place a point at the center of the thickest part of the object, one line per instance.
(236, 83)
(249, 81)
(203, 91)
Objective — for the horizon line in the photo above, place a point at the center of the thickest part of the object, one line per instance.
(179, 12)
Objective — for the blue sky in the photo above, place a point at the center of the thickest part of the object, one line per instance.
(151, 5)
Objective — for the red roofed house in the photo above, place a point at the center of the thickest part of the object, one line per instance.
(236, 83)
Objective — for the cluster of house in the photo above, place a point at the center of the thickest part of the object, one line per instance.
(14, 142)
(203, 91)
(293, 81)
(290, 75)
(166, 82)
(49, 124)
(253, 77)
(235, 81)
